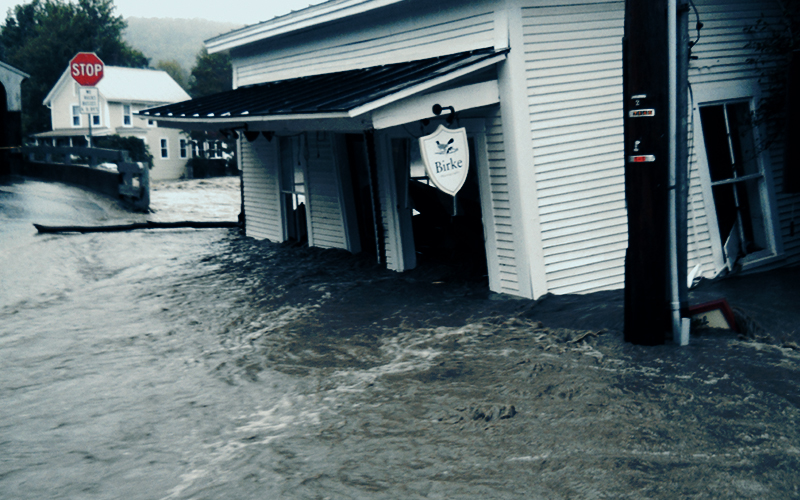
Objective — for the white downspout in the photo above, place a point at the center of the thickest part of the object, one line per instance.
(680, 328)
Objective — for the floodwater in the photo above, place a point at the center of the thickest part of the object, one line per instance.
(199, 364)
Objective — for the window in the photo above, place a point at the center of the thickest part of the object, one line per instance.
(151, 123)
(184, 153)
(76, 116)
(96, 120)
(293, 188)
(164, 149)
(735, 175)
(127, 118)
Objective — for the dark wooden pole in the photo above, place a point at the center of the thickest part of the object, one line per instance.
(646, 88)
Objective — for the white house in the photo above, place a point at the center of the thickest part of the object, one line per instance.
(123, 92)
(329, 101)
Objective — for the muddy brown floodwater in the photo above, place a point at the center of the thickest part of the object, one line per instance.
(202, 364)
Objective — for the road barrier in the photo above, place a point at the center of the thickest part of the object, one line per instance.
(109, 171)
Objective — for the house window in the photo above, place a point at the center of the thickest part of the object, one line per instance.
(76, 116)
(293, 188)
(151, 122)
(96, 120)
(741, 195)
(184, 153)
(127, 118)
(164, 149)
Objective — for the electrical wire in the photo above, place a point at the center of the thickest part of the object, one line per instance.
(698, 27)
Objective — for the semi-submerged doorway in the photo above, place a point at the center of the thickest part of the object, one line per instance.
(445, 230)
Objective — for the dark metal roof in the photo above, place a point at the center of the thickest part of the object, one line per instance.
(320, 94)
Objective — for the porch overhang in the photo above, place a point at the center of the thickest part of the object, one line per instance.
(357, 100)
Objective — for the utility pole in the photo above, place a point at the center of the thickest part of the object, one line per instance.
(645, 94)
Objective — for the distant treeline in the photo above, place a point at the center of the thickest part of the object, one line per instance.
(178, 40)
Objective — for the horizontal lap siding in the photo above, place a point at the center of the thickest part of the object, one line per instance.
(436, 29)
(327, 227)
(505, 236)
(722, 52)
(261, 200)
(574, 68)
(699, 249)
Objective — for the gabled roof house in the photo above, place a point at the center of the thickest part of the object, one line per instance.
(329, 103)
(123, 92)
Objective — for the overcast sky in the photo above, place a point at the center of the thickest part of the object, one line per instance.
(233, 11)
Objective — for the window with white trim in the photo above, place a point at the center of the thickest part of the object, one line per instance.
(293, 188)
(127, 116)
(735, 175)
(76, 116)
(184, 152)
(96, 120)
(164, 148)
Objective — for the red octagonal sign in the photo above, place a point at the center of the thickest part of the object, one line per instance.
(86, 68)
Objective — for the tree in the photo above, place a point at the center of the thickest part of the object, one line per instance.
(212, 73)
(42, 36)
(174, 69)
(777, 42)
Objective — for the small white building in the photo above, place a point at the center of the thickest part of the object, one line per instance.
(329, 101)
(122, 92)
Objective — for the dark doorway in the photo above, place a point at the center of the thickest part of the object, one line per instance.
(448, 231)
(362, 191)
(5, 139)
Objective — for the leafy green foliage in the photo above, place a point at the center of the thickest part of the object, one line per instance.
(42, 36)
(774, 40)
(138, 150)
(212, 73)
(176, 71)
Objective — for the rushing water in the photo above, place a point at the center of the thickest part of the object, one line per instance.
(199, 364)
(181, 363)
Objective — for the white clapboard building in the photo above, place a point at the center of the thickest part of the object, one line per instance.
(329, 102)
(122, 92)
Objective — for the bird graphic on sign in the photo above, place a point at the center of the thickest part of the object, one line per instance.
(446, 149)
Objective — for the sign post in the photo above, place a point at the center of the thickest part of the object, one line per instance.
(90, 105)
(87, 69)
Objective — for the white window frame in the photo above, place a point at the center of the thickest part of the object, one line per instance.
(722, 93)
(163, 146)
(184, 148)
(127, 113)
(97, 121)
(73, 115)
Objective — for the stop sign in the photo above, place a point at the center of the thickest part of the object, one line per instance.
(86, 68)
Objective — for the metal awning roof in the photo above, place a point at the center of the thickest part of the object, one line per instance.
(345, 94)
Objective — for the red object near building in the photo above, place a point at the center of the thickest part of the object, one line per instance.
(86, 68)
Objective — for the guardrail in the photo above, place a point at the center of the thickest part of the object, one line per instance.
(134, 177)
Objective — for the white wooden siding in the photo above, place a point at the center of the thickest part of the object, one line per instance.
(574, 70)
(505, 236)
(259, 161)
(722, 52)
(324, 205)
(722, 57)
(438, 28)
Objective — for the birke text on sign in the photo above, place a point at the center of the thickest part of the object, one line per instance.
(445, 154)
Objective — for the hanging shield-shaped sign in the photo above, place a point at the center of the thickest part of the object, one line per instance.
(446, 157)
